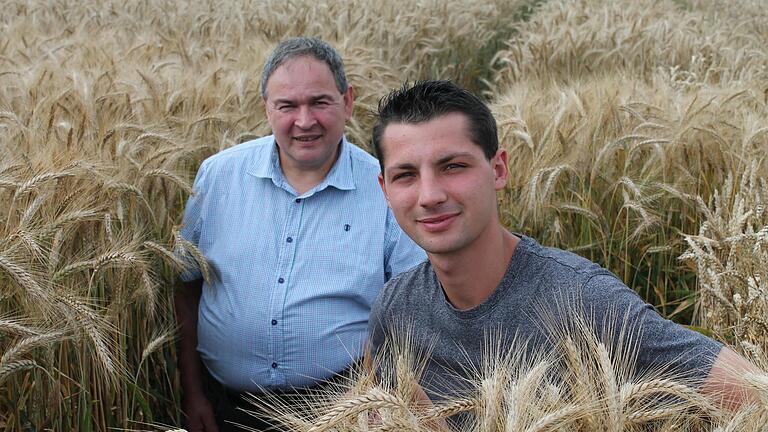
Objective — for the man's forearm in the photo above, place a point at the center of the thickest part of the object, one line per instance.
(725, 384)
(187, 301)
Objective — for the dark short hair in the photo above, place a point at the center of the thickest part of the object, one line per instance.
(304, 46)
(427, 100)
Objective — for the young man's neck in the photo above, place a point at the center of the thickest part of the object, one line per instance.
(470, 276)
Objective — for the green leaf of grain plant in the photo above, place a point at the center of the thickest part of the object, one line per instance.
(85, 405)
(137, 398)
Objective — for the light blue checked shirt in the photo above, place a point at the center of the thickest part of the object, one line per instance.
(295, 276)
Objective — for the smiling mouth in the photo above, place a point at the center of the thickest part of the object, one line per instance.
(435, 219)
(307, 138)
(437, 223)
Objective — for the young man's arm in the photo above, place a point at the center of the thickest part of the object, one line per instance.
(197, 408)
(725, 384)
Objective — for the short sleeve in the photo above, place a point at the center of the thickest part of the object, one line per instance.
(192, 223)
(659, 344)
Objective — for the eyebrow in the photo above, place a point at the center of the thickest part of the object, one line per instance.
(442, 160)
(453, 156)
(402, 166)
(311, 99)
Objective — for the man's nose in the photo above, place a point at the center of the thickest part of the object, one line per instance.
(431, 191)
(305, 117)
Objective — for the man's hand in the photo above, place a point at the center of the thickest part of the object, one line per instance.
(199, 413)
(196, 407)
(420, 400)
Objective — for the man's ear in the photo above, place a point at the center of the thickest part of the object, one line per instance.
(383, 185)
(349, 100)
(500, 169)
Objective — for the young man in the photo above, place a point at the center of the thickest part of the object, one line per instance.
(441, 168)
(299, 240)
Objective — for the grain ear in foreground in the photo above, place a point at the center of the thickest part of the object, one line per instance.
(587, 383)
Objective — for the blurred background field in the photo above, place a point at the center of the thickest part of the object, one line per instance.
(637, 133)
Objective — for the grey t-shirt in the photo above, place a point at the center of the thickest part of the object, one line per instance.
(541, 285)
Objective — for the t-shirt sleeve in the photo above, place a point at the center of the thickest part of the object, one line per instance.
(191, 225)
(400, 252)
(659, 344)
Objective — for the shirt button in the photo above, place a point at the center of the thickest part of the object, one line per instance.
(274, 322)
(289, 239)
(274, 365)
(298, 200)
(281, 280)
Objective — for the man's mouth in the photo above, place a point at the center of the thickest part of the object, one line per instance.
(437, 223)
(307, 138)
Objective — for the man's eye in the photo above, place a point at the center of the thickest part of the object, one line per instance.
(284, 107)
(401, 176)
(454, 166)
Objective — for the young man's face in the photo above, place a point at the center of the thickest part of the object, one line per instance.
(440, 185)
(307, 113)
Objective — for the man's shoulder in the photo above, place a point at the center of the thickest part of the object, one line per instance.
(235, 155)
(419, 273)
(363, 160)
(559, 261)
(565, 276)
(408, 284)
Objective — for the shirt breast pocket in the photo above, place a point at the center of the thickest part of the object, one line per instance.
(349, 262)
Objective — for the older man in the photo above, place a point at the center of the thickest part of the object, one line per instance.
(441, 169)
(299, 240)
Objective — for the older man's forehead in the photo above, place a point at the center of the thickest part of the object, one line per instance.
(290, 81)
(303, 98)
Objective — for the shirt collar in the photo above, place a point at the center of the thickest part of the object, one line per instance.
(266, 164)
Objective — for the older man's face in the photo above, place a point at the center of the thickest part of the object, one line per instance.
(307, 113)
